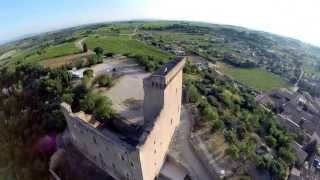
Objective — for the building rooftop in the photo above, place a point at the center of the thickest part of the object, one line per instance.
(165, 69)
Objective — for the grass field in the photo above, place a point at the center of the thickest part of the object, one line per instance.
(122, 45)
(257, 78)
(54, 51)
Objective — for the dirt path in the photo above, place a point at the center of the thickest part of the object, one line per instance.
(79, 43)
(181, 149)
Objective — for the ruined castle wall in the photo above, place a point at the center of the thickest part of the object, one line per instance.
(153, 151)
(117, 159)
(162, 106)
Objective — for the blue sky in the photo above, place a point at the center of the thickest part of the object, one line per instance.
(294, 18)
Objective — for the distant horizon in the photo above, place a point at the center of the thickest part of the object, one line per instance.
(30, 35)
(289, 18)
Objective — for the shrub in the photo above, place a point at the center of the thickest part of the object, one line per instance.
(104, 81)
(99, 106)
(103, 110)
(88, 73)
(98, 51)
(92, 60)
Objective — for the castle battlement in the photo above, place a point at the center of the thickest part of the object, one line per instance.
(139, 154)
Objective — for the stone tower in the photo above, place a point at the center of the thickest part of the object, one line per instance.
(162, 85)
(162, 106)
(137, 156)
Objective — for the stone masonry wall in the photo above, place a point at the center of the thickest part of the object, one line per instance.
(118, 160)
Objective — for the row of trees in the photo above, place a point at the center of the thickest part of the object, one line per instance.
(150, 63)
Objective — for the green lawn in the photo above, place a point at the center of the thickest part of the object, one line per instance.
(122, 45)
(257, 78)
(54, 51)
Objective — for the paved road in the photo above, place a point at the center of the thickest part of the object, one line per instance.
(182, 150)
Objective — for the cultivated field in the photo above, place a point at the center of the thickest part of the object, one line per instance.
(122, 45)
(53, 52)
(254, 77)
(64, 60)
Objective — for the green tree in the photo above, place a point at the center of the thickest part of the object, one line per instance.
(27, 114)
(233, 151)
(85, 47)
(277, 169)
(87, 104)
(98, 105)
(104, 81)
(95, 59)
(247, 149)
(271, 141)
(99, 51)
(209, 113)
(68, 97)
(103, 110)
(287, 155)
(217, 124)
(264, 161)
(192, 94)
(284, 140)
